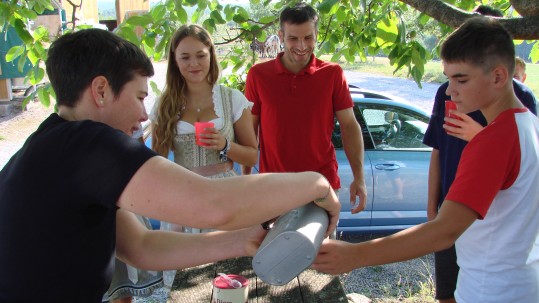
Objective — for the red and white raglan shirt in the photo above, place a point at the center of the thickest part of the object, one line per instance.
(498, 177)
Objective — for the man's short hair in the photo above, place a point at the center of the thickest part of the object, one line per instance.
(75, 59)
(298, 14)
(482, 42)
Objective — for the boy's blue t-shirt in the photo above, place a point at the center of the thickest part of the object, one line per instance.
(450, 148)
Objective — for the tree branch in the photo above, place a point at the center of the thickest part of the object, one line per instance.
(520, 28)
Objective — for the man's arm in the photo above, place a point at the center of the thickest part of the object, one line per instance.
(435, 185)
(352, 140)
(162, 250)
(163, 190)
(246, 170)
(454, 218)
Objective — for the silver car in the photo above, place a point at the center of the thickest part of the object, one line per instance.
(396, 164)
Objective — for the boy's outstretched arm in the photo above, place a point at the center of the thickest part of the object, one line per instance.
(161, 250)
(336, 257)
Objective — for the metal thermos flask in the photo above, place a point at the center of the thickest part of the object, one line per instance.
(291, 245)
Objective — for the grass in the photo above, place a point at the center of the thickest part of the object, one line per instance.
(433, 71)
(407, 281)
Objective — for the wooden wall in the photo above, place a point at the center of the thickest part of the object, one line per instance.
(136, 6)
(87, 14)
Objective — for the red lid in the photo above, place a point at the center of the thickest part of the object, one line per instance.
(220, 282)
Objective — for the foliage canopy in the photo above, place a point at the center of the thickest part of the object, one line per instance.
(349, 30)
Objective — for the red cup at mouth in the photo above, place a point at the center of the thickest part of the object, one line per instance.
(200, 129)
(449, 106)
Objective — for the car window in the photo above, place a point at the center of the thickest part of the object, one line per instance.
(394, 127)
(367, 139)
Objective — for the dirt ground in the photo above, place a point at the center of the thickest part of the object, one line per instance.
(15, 128)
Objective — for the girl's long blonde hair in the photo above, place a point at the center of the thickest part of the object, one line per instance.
(173, 99)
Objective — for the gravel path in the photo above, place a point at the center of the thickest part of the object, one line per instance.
(387, 283)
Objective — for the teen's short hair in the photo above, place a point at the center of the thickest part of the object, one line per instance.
(482, 42)
(75, 59)
(298, 14)
(520, 62)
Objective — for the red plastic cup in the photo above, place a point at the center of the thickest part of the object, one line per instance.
(200, 129)
(450, 105)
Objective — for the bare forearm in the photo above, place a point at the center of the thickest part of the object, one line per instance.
(163, 190)
(265, 196)
(244, 155)
(353, 148)
(434, 185)
(405, 245)
(163, 250)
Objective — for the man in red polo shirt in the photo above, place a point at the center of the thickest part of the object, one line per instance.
(296, 97)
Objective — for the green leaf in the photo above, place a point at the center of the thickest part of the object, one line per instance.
(209, 25)
(22, 61)
(417, 74)
(33, 56)
(44, 97)
(149, 41)
(35, 75)
(14, 53)
(386, 31)
(148, 50)
(41, 33)
(23, 33)
(241, 15)
(155, 88)
(326, 6)
(182, 15)
(216, 16)
(140, 20)
(27, 13)
(129, 34)
(158, 12)
(196, 15)
(267, 19)
(534, 54)
(341, 15)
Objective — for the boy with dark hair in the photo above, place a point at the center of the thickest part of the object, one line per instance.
(492, 208)
(447, 144)
(88, 177)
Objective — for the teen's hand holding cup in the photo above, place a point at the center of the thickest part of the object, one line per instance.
(458, 124)
(201, 129)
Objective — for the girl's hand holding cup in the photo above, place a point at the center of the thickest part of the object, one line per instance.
(201, 129)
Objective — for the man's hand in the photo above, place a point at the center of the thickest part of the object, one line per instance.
(333, 207)
(335, 257)
(358, 188)
(465, 127)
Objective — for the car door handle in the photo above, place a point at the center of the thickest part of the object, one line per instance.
(387, 166)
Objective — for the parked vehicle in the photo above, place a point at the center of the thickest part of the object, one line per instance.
(396, 164)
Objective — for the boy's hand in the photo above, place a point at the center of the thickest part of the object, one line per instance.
(253, 237)
(335, 257)
(465, 127)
